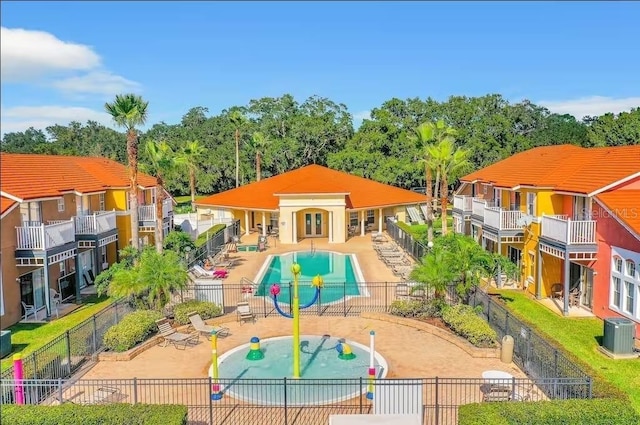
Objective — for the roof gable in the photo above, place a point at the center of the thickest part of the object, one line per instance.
(313, 179)
(563, 168)
(28, 176)
(624, 205)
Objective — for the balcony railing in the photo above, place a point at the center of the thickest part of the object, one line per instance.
(148, 212)
(45, 236)
(478, 206)
(96, 223)
(463, 203)
(502, 219)
(569, 232)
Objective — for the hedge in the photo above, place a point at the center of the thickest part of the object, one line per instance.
(416, 308)
(108, 414)
(557, 412)
(205, 309)
(133, 329)
(464, 321)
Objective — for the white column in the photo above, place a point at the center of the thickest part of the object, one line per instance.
(380, 220)
(264, 224)
(362, 217)
(246, 222)
(330, 226)
(294, 230)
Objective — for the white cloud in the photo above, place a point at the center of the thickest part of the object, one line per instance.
(362, 115)
(20, 118)
(592, 105)
(38, 57)
(97, 82)
(27, 54)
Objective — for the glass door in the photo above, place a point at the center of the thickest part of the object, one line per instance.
(318, 229)
(308, 228)
(32, 289)
(587, 288)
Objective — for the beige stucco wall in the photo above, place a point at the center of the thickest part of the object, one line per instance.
(298, 206)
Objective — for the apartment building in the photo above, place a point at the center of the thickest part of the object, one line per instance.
(569, 217)
(63, 220)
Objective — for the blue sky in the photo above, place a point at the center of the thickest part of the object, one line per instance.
(62, 61)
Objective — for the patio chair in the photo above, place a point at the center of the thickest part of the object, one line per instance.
(56, 299)
(244, 312)
(402, 291)
(200, 326)
(494, 392)
(172, 337)
(99, 396)
(28, 309)
(557, 290)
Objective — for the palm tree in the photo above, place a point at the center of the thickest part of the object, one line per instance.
(161, 158)
(130, 111)
(237, 119)
(259, 142)
(190, 157)
(450, 162)
(434, 271)
(153, 279)
(425, 135)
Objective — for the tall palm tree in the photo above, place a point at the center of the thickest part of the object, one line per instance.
(425, 135)
(161, 158)
(450, 162)
(259, 142)
(130, 111)
(190, 156)
(237, 119)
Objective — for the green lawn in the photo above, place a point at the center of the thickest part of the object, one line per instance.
(186, 199)
(212, 231)
(580, 337)
(419, 231)
(28, 337)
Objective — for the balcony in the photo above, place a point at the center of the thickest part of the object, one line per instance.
(463, 203)
(477, 207)
(569, 232)
(502, 219)
(96, 223)
(148, 212)
(45, 236)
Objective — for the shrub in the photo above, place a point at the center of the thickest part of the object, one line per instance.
(579, 412)
(133, 329)
(205, 309)
(464, 321)
(111, 414)
(416, 308)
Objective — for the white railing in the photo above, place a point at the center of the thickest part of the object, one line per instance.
(502, 219)
(462, 203)
(45, 236)
(96, 223)
(569, 232)
(148, 212)
(478, 206)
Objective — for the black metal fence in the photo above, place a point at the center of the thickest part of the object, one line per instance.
(287, 401)
(66, 354)
(335, 299)
(531, 352)
(414, 248)
(214, 244)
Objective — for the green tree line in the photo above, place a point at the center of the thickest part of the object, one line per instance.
(273, 135)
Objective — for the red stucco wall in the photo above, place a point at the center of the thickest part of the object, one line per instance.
(609, 233)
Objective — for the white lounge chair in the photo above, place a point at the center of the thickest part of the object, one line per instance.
(200, 326)
(28, 309)
(244, 312)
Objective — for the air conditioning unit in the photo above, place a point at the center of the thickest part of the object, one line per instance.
(618, 335)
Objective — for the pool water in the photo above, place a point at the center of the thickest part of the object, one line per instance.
(337, 271)
(318, 361)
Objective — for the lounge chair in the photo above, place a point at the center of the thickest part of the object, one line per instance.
(175, 338)
(494, 392)
(99, 396)
(200, 326)
(244, 312)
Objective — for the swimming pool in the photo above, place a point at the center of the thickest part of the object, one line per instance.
(340, 272)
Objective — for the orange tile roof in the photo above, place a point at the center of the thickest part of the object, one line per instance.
(624, 205)
(28, 176)
(563, 167)
(5, 204)
(313, 179)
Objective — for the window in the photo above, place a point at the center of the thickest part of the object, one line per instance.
(30, 213)
(101, 202)
(353, 218)
(371, 217)
(625, 283)
(531, 203)
(532, 262)
(61, 205)
(103, 254)
(496, 197)
(63, 268)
